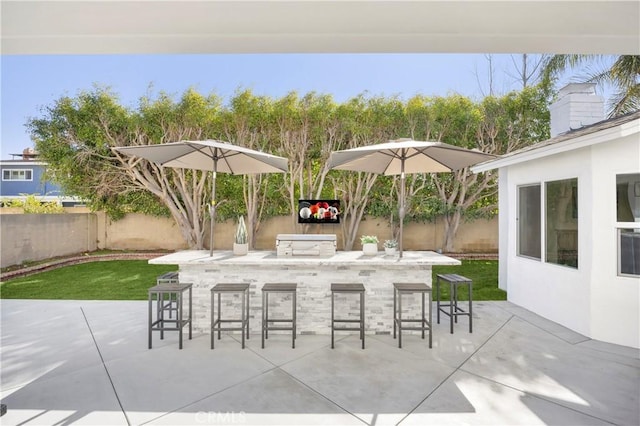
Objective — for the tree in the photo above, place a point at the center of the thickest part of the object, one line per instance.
(77, 135)
(246, 123)
(505, 124)
(76, 138)
(623, 74)
(527, 68)
(365, 121)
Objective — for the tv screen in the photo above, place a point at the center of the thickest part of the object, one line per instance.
(319, 211)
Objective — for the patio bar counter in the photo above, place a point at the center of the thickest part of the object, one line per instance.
(313, 275)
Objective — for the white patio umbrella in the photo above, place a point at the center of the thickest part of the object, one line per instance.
(402, 156)
(217, 156)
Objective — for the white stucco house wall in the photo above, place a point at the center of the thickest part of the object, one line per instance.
(569, 220)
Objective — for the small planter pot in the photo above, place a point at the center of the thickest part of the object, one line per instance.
(390, 251)
(370, 249)
(240, 249)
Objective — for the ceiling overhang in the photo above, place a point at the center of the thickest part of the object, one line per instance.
(305, 26)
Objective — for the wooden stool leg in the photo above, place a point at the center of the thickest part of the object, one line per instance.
(178, 319)
(332, 325)
(400, 319)
(422, 321)
(213, 318)
(248, 316)
(362, 318)
(264, 316)
(150, 317)
(219, 310)
(243, 317)
(395, 312)
(470, 308)
(430, 321)
(438, 299)
(451, 292)
(190, 312)
(293, 316)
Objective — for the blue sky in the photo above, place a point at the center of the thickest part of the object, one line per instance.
(32, 82)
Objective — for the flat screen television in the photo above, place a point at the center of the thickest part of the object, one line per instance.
(319, 211)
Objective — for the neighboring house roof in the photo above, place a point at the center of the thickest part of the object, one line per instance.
(602, 131)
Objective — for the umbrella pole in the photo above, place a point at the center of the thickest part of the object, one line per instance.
(213, 206)
(401, 212)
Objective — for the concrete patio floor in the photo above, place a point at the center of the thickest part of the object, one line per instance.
(87, 362)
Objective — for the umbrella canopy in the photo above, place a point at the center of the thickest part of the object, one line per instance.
(216, 156)
(406, 156)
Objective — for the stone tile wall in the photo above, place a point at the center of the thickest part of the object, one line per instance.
(313, 296)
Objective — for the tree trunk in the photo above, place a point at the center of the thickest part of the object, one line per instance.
(451, 224)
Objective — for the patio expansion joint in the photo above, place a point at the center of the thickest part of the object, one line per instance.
(275, 368)
(124, 413)
(269, 370)
(208, 396)
(458, 368)
(533, 395)
(538, 396)
(321, 395)
(546, 330)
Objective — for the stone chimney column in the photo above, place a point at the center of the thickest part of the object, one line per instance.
(577, 106)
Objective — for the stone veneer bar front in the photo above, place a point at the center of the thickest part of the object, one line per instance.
(313, 275)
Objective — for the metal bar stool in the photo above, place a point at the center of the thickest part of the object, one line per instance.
(217, 323)
(171, 304)
(174, 291)
(425, 324)
(285, 288)
(350, 288)
(454, 281)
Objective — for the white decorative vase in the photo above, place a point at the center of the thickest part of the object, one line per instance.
(390, 251)
(370, 249)
(240, 249)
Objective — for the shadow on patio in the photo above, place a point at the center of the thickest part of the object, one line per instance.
(87, 362)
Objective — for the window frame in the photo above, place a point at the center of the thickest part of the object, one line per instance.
(577, 218)
(12, 170)
(619, 227)
(518, 218)
(543, 221)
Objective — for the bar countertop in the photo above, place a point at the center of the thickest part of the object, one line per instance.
(267, 257)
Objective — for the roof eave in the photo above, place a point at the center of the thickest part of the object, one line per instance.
(578, 142)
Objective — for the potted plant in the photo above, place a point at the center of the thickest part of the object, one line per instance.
(241, 246)
(390, 246)
(369, 245)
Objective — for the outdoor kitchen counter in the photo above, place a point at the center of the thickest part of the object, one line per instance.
(313, 275)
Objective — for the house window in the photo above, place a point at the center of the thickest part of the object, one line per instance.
(529, 216)
(561, 224)
(628, 223)
(17, 174)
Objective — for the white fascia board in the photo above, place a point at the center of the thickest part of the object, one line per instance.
(590, 139)
(21, 163)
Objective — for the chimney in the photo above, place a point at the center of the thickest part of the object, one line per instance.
(577, 106)
(28, 154)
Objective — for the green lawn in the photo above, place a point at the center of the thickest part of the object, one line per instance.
(483, 273)
(130, 280)
(105, 280)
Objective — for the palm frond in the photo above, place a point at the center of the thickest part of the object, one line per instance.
(624, 102)
(557, 64)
